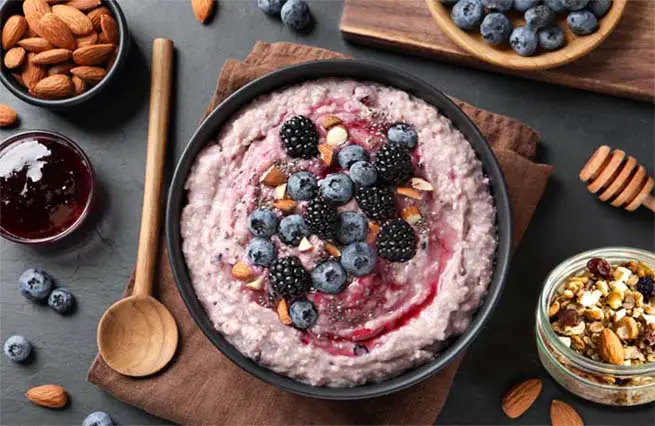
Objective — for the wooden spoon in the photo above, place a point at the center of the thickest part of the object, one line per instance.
(137, 336)
(618, 179)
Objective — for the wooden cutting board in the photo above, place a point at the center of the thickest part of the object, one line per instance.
(624, 65)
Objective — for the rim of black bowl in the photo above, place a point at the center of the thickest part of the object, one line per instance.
(123, 47)
(357, 70)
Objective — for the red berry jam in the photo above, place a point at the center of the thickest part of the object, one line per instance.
(46, 186)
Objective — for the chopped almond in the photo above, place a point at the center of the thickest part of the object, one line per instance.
(337, 136)
(329, 121)
(305, 245)
(283, 312)
(285, 205)
(411, 214)
(409, 192)
(273, 177)
(422, 185)
(327, 153)
(256, 284)
(241, 271)
(373, 231)
(334, 251)
(280, 191)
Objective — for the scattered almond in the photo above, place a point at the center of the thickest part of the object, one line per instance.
(96, 15)
(110, 29)
(15, 57)
(337, 136)
(56, 86)
(35, 44)
(63, 68)
(13, 30)
(610, 348)
(241, 271)
(332, 250)
(373, 231)
(421, 185)
(95, 54)
(78, 22)
(52, 56)
(411, 214)
(203, 9)
(305, 245)
(273, 177)
(8, 116)
(286, 206)
(91, 75)
(327, 153)
(257, 283)
(84, 5)
(79, 84)
(34, 10)
(32, 73)
(49, 396)
(280, 192)
(53, 29)
(562, 414)
(520, 397)
(329, 121)
(409, 192)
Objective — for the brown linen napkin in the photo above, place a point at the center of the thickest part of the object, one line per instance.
(201, 386)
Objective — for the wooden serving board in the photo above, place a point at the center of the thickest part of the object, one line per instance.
(624, 65)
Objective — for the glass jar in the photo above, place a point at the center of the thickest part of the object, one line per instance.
(595, 381)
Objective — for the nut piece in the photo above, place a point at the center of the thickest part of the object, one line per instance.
(49, 396)
(53, 56)
(8, 116)
(329, 121)
(15, 57)
(614, 299)
(32, 73)
(327, 153)
(627, 329)
(562, 414)
(13, 30)
(553, 309)
(273, 177)
(257, 284)
(78, 22)
(421, 184)
(34, 10)
(283, 312)
(110, 29)
(56, 86)
(241, 271)
(35, 44)
(337, 136)
(411, 214)
(79, 84)
(96, 15)
(520, 397)
(280, 192)
(53, 29)
(84, 5)
(90, 75)
(87, 40)
(373, 231)
(335, 252)
(285, 205)
(409, 192)
(305, 245)
(62, 68)
(203, 9)
(95, 54)
(610, 348)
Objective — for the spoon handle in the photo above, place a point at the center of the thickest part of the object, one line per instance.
(160, 90)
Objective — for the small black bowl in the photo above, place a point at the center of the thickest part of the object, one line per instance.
(10, 7)
(357, 70)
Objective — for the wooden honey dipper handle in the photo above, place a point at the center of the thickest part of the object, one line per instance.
(618, 180)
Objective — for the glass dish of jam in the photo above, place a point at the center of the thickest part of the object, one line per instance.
(47, 187)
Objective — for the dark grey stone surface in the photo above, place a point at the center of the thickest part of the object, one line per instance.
(96, 264)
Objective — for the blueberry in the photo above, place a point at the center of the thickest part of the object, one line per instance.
(329, 277)
(524, 41)
(449, 3)
(295, 14)
(646, 286)
(539, 17)
(363, 173)
(551, 38)
(351, 154)
(35, 284)
(556, 6)
(351, 227)
(358, 259)
(302, 186)
(582, 22)
(336, 188)
(61, 300)
(523, 5)
(303, 314)
(262, 223)
(261, 251)
(17, 348)
(403, 134)
(498, 5)
(467, 14)
(574, 5)
(495, 28)
(600, 7)
(292, 229)
(98, 418)
(271, 7)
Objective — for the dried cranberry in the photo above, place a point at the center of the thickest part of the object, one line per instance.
(599, 267)
(568, 317)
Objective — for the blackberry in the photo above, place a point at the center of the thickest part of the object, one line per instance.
(288, 279)
(646, 286)
(393, 164)
(299, 137)
(321, 218)
(376, 202)
(396, 241)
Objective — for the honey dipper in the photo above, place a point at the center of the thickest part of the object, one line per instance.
(619, 179)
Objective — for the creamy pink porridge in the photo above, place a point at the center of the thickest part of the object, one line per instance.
(324, 297)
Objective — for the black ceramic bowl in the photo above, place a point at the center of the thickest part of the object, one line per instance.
(360, 71)
(13, 7)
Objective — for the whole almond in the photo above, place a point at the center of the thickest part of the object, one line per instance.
(110, 29)
(13, 30)
(30, 33)
(102, 38)
(50, 396)
(32, 73)
(56, 86)
(35, 44)
(96, 14)
(203, 9)
(91, 75)
(79, 84)
(87, 40)
(562, 414)
(15, 57)
(63, 68)
(34, 10)
(52, 56)
(56, 32)
(78, 22)
(520, 397)
(95, 54)
(112, 59)
(84, 5)
(8, 116)
(610, 348)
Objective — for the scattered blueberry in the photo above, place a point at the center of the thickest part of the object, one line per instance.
(336, 188)
(61, 300)
(351, 154)
(363, 173)
(302, 186)
(523, 5)
(539, 17)
(351, 227)
(524, 41)
(271, 7)
(98, 418)
(495, 28)
(574, 5)
(358, 259)
(498, 5)
(329, 277)
(600, 7)
(303, 314)
(646, 286)
(556, 6)
(262, 223)
(295, 14)
(582, 22)
(467, 14)
(261, 251)
(17, 348)
(449, 2)
(551, 38)
(292, 229)
(403, 134)
(35, 284)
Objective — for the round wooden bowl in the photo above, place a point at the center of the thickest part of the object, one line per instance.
(503, 56)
